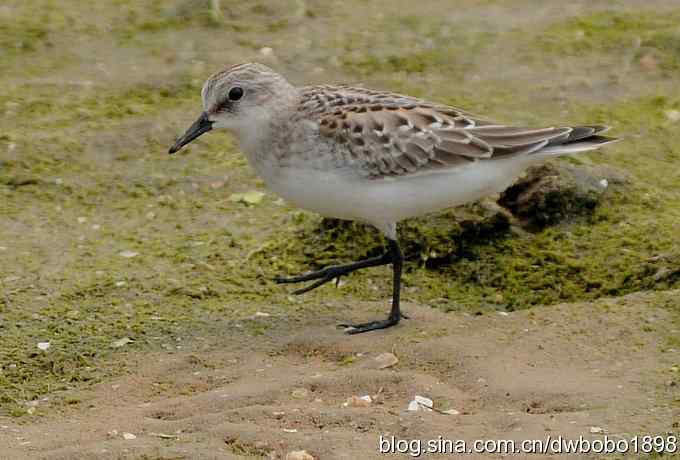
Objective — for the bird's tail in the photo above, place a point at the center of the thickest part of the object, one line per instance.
(579, 139)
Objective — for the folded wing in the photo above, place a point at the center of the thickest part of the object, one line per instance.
(394, 135)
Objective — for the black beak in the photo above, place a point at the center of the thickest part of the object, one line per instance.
(200, 126)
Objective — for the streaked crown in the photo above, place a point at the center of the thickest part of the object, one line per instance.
(248, 84)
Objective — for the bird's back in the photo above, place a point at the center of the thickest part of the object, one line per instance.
(386, 134)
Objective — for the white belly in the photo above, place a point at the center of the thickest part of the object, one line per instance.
(383, 202)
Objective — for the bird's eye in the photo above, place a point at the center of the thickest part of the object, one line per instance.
(235, 93)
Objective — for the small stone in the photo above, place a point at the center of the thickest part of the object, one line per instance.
(121, 342)
(451, 412)
(128, 254)
(649, 63)
(252, 197)
(299, 455)
(82, 220)
(96, 227)
(150, 215)
(112, 433)
(300, 393)
(596, 430)
(504, 313)
(385, 360)
(11, 279)
(289, 430)
(673, 115)
(422, 400)
(120, 283)
(266, 51)
(358, 401)
(44, 346)
(3, 248)
(262, 314)
(164, 435)
(420, 403)
(604, 183)
(129, 436)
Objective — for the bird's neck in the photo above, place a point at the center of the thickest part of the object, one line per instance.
(264, 137)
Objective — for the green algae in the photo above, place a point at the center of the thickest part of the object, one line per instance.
(643, 32)
(427, 45)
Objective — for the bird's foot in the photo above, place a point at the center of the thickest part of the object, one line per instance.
(333, 272)
(372, 325)
(323, 276)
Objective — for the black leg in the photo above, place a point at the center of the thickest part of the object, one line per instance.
(395, 315)
(334, 271)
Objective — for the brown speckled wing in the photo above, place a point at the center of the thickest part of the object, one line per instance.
(394, 135)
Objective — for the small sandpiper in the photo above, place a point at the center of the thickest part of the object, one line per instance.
(371, 156)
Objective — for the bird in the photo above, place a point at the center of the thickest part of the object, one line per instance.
(372, 156)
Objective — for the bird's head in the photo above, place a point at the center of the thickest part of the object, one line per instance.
(240, 98)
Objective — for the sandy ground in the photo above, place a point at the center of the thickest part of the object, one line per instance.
(564, 370)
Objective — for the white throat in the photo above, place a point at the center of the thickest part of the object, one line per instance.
(250, 131)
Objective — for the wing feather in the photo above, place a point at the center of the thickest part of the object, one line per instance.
(392, 135)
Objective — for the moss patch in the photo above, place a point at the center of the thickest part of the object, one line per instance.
(646, 33)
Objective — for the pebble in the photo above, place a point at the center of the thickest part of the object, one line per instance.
(266, 51)
(673, 115)
(300, 393)
(420, 403)
(121, 342)
(129, 436)
(44, 346)
(252, 197)
(451, 412)
(128, 254)
(358, 401)
(299, 455)
(385, 360)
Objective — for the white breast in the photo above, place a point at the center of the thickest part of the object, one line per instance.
(382, 202)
